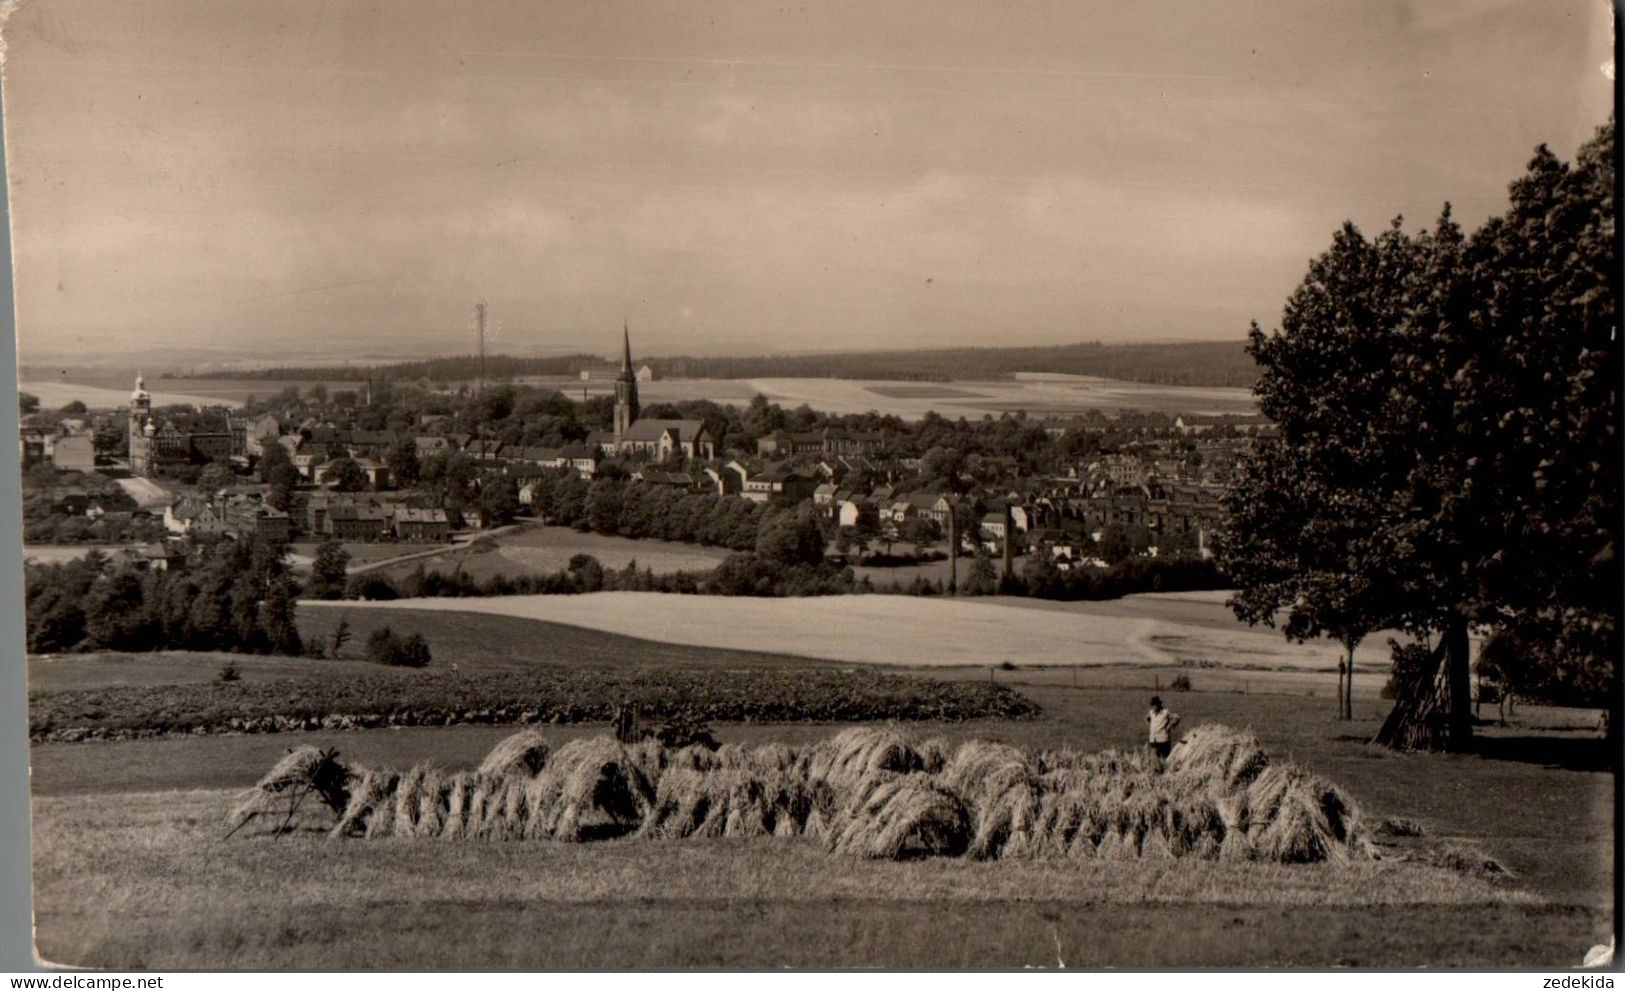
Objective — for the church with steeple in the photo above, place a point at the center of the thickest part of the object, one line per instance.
(651, 439)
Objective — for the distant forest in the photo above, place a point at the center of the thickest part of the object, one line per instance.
(1215, 363)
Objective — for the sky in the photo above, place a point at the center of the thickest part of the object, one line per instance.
(320, 178)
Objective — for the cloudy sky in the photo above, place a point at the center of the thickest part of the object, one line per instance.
(348, 176)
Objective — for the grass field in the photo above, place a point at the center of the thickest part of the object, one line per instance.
(910, 631)
(541, 549)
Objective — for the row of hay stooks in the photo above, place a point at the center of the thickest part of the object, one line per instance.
(868, 792)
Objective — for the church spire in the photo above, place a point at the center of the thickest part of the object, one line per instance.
(626, 388)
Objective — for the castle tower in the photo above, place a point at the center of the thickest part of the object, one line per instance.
(140, 440)
(626, 389)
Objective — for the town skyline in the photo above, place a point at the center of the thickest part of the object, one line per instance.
(742, 181)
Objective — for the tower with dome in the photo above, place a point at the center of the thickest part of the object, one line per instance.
(143, 430)
(163, 444)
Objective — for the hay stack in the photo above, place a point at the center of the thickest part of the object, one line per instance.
(905, 817)
(1295, 817)
(1230, 758)
(586, 782)
(1001, 787)
(408, 801)
(1069, 823)
(524, 752)
(735, 802)
(430, 818)
(866, 792)
(505, 808)
(301, 773)
(856, 756)
(370, 811)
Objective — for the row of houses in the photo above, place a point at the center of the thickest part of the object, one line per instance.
(827, 443)
(237, 515)
(1173, 509)
(368, 518)
(356, 518)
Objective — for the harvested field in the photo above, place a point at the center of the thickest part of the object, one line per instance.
(119, 828)
(1068, 397)
(921, 632)
(103, 861)
(544, 695)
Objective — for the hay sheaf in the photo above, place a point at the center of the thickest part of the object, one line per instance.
(906, 817)
(1230, 757)
(738, 802)
(854, 757)
(1001, 787)
(589, 783)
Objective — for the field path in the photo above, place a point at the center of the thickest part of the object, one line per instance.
(910, 631)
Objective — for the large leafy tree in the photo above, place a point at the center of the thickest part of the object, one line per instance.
(403, 462)
(791, 537)
(1540, 410)
(329, 571)
(278, 471)
(1448, 452)
(345, 475)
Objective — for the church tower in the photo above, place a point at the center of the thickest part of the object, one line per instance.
(626, 390)
(140, 423)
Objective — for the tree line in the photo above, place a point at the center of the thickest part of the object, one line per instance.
(230, 596)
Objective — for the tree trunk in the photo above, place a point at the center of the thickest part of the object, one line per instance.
(1459, 684)
(1348, 693)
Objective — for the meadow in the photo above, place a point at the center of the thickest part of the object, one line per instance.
(538, 549)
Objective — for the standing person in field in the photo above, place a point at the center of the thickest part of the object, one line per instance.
(1159, 724)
